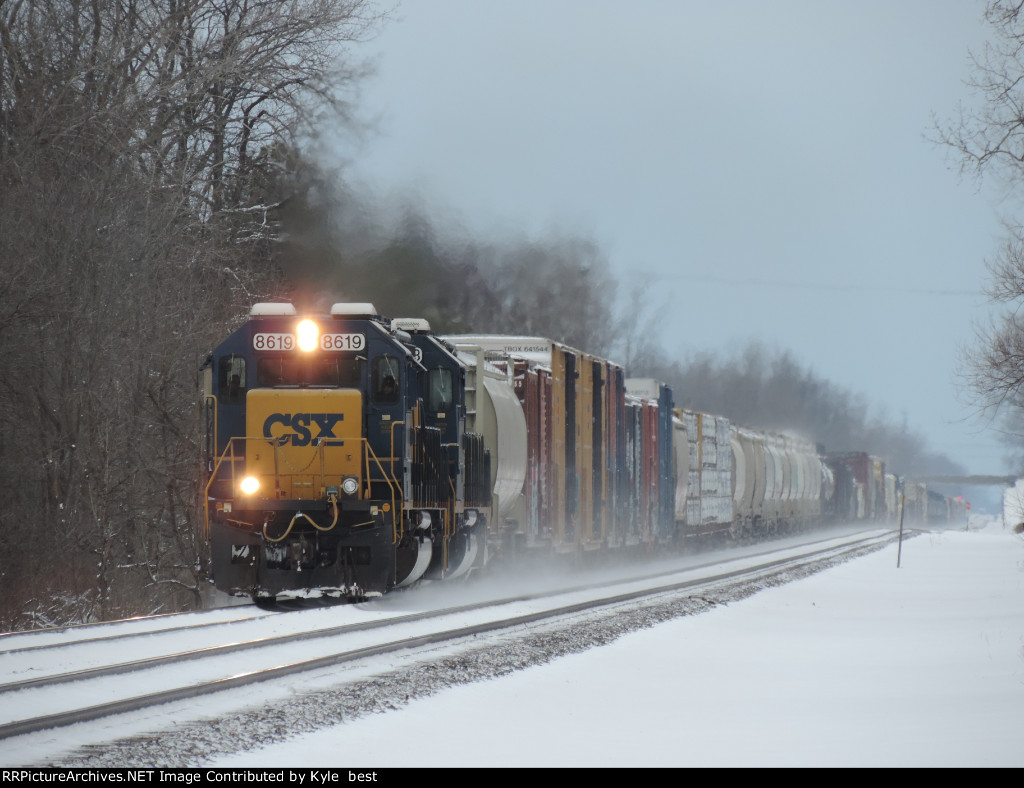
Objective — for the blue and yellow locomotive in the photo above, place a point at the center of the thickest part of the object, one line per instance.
(337, 459)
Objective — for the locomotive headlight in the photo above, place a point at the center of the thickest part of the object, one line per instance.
(349, 485)
(249, 485)
(308, 335)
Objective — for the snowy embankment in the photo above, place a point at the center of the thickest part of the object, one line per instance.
(860, 664)
(864, 664)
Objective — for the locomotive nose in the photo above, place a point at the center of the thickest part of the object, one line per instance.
(303, 441)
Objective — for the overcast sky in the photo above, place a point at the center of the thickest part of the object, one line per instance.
(766, 164)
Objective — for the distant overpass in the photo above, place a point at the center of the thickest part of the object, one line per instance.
(1005, 481)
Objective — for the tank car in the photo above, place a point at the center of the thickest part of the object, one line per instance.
(780, 484)
(337, 459)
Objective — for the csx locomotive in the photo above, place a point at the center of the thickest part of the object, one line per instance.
(347, 455)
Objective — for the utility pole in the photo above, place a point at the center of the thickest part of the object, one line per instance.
(899, 551)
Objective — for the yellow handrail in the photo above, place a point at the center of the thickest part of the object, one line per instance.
(399, 532)
(392, 484)
(228, 455)
(213, 477)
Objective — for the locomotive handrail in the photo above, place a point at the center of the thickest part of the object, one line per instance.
(214, 477)
(398, 527)
(229, 456)
(211, 435)
(392, 485)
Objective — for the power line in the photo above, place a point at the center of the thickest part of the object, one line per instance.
(721, 280)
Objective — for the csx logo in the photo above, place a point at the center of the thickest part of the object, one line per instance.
(299, 427)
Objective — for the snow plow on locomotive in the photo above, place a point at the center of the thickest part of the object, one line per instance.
(348, 455)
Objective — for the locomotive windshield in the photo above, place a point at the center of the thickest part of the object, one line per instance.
(337, 371)
(439, 390)
(386, 376)
(231, 376)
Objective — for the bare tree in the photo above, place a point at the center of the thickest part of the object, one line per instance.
(143, 147)
(209, 96)
(990, 142)
(559, 287)
(995, 370)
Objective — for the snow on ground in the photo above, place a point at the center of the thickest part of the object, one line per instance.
(864, 664)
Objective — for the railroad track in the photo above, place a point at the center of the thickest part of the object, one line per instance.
(59, 685)
(110, 631)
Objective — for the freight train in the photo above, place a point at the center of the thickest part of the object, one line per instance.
(347, 455)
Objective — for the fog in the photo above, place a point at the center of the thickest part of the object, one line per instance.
(762, 171)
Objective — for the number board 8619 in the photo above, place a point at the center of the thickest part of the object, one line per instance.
(328, 342)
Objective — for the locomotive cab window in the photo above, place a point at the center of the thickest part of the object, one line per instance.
(231, 378)
(385, 380)
(330, 371)
(439, 390)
